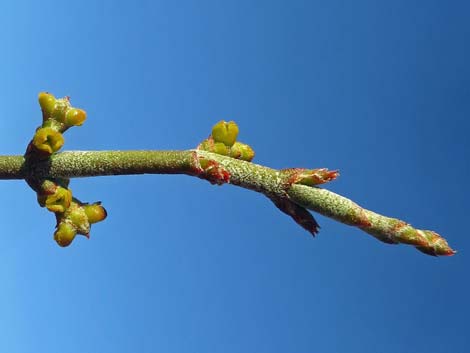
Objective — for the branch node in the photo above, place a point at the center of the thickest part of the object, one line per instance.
(73, 217)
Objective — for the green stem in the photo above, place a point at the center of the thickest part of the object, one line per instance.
(248, 175)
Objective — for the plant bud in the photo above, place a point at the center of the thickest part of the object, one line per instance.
(64, 234)
(206, 145)
(242, 151)
(225, 132)
(47, 140)
(312, 177)
(95, 212)
(47, 102)
(59, 201)
(75, 117)
(220, 148)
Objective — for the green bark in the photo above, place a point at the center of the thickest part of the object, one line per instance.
(220, 169)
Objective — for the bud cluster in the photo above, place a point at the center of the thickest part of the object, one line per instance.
(77, 219)
(223, 140)
(73, 216)
(57, 116)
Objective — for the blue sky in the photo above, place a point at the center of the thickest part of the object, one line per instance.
(377, 89)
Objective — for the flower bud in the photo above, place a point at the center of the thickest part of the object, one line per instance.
(206, 145)
(95, 213)
(64, 234)
(47, 102)
(75, 117)
(242, 151)
(59, 201)
(220, 148)
(47, 140)
(225, 132)
(210, 145)
(312, 177)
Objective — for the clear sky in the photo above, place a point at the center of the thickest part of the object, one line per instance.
(377, 89)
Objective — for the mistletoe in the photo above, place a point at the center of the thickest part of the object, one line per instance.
(219, 159)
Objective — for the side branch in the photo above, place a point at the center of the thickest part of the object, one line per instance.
(224, 169)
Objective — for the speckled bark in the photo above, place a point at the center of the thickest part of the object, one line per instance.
(248, 175)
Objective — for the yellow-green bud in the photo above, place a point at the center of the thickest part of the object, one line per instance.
(242, 151)
(205, 145)
(225, 132)
(59, 201)
(312, 177)
(64, 234)
(47, 102)
(48, 187)
(95, 213)
(210, 145)
(75, 117)
(204, 163)
(47, 140)
(220, 148)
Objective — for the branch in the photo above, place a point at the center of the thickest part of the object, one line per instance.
(290, 189)
(219, 159)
